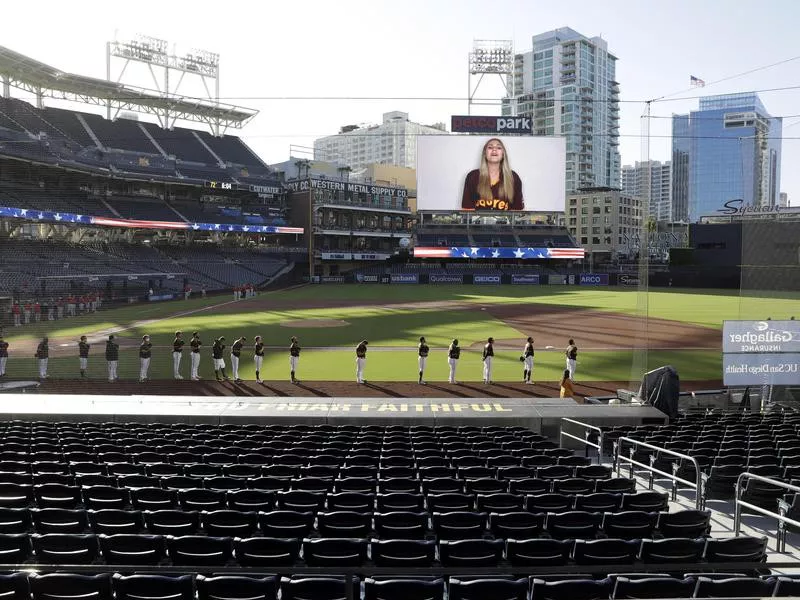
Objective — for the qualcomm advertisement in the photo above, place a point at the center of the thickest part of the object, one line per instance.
(445, 278)
(466, 172)
(594, 279)
(528, 279)
(491, 279)
(405, 277)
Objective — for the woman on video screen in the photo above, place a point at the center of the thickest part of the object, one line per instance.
(493, 186)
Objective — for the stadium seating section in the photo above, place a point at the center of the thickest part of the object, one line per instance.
(124, 145)
(725, 446)
(358, 499)
(50, 267)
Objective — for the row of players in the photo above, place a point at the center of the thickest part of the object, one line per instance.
(218, 349)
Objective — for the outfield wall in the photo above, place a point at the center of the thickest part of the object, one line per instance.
(684, 278)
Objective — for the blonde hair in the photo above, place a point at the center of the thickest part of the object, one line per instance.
(506, 191)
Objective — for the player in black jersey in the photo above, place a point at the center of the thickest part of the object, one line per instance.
(294, 358)
(83, 354)
(177, 352)
(195, 344)
(527, 359)
(453, 354)
(144, 358)
(258, 357)
(219, 361)
(422, 350)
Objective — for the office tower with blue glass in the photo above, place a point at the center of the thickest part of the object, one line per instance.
(567, 85)
(728, 151)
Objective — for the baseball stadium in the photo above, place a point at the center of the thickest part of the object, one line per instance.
(227, 379)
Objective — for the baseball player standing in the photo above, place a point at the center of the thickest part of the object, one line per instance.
(177, 352)
(572, 357)
(195, 344)
(258, 357)
(83, 354)
(423, 351)
(453, 354)
(527, 356)
(361, 360)
(219, 362)
(488, 355)
(144, 358)
(3, 356)
(43, 353)
(112, 357)
(294, 358)
(236, 353)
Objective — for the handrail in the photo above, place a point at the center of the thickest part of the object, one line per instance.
(783, 520)
(585, 440)
(696, 484)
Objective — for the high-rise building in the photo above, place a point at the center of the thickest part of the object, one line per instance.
(783, 200)
(393, 142)
(567, 84)
(728, 150)
(603, 221)
(635, 180)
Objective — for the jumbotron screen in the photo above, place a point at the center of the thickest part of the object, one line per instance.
(484, 173)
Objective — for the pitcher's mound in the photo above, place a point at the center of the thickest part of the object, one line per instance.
(313, 323)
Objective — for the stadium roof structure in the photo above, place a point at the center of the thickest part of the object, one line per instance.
(40, 79)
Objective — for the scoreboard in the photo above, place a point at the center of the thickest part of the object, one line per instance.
(221, 185)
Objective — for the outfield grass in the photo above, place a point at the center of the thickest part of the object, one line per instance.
(398, 327)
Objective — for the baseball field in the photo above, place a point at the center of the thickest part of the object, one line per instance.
(611, 326)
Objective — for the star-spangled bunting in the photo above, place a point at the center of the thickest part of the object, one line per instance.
(510, 253)
(61, 217)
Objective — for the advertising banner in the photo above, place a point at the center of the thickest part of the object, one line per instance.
(405, 277)
(528, 279)
(449, 173)
(486, 279)
(594, 279)
(761, 369)
(557, 279)
(332, 279)
(445, 278)
(361, 278)
(628, 279)
(491, 124)
(160, 297)
(761, 336)
(337, 256)
(371, 256)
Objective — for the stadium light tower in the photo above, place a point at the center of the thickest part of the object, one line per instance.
(168, 70)
(490, 57)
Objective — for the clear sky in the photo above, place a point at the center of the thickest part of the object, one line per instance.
(418, 49)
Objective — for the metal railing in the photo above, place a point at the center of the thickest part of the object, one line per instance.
(587, 429)
(697, 484)
(783, 520)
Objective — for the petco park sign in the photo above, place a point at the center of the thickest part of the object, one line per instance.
(504, 125)
(761, 336)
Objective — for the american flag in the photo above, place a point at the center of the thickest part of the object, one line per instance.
(481, 252)
(59, 217)
(696, 81)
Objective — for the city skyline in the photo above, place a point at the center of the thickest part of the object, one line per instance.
(310, 71)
